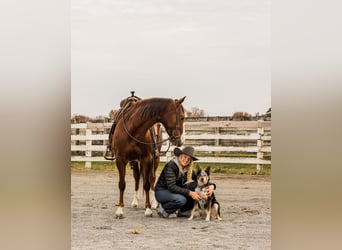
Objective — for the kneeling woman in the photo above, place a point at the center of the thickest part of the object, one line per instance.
(175, 187)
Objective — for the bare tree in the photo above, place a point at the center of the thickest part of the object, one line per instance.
(112, 114)
(79, 118)
(195, 112)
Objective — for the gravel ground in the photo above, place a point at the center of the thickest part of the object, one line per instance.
(245, 211)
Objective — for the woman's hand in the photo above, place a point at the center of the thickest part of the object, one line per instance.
(195, 196)
(209, 190)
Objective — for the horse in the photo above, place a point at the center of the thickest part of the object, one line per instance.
(132, 142)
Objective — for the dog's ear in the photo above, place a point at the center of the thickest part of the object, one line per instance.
(207, 170)
(198, 170)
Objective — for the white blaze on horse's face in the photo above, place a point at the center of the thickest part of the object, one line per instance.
(183, 135)
(180, 139)
(178, 132)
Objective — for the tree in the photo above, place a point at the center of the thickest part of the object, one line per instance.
(79, 118)
(268, 112)
(241, 116)
(112, 114)
(195, 112)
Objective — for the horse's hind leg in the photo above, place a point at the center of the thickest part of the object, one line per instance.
(153, 202)
(136, 175)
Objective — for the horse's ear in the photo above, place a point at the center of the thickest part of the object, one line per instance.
(179, 101)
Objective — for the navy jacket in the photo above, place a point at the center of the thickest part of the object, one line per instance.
(169, 179)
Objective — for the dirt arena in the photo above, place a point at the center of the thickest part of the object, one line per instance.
(245, 211)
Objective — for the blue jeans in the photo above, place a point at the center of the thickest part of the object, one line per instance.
(171, 202)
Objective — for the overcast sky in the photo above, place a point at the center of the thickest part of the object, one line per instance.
(214, 52)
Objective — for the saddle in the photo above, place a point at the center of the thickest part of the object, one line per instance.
(124, 104)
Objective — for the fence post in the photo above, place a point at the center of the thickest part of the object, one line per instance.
(168, 156)
(88, 150)
(217, 132)
(260, 154)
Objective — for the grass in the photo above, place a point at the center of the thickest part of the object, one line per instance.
(224, 168)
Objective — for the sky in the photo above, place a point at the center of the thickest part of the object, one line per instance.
(217, 53)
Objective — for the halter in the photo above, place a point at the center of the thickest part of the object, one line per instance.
(175, 132)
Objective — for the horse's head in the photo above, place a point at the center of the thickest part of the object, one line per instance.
(175, 122)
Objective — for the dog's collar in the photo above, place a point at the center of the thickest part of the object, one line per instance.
(206, 185)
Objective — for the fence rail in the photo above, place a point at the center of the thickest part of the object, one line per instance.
(247, 142)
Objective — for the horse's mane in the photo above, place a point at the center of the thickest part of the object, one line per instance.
(148, 108)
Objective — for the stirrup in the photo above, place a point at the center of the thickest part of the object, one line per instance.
(109, 154)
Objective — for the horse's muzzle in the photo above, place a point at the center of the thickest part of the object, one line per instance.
(177, 141)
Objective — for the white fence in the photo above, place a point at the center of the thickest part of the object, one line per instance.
(247, 142)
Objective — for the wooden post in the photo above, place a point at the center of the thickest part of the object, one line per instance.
(88, 151)
(168, 156)
(260, 154)
(217, 131)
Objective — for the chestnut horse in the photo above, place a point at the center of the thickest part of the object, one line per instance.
(133, 142)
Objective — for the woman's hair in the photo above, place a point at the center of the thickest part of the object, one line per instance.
(189, 172)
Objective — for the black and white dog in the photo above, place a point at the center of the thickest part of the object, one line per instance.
(207, 204)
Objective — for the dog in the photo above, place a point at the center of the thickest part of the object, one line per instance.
(206, 204)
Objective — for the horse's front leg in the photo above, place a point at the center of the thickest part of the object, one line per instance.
(145, 168)
(122, 185)
(136, 175)
(148, 211)
(153, 201)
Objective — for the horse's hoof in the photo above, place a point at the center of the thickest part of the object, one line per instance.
(119, 213)
(148, 212)
(119, 216)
